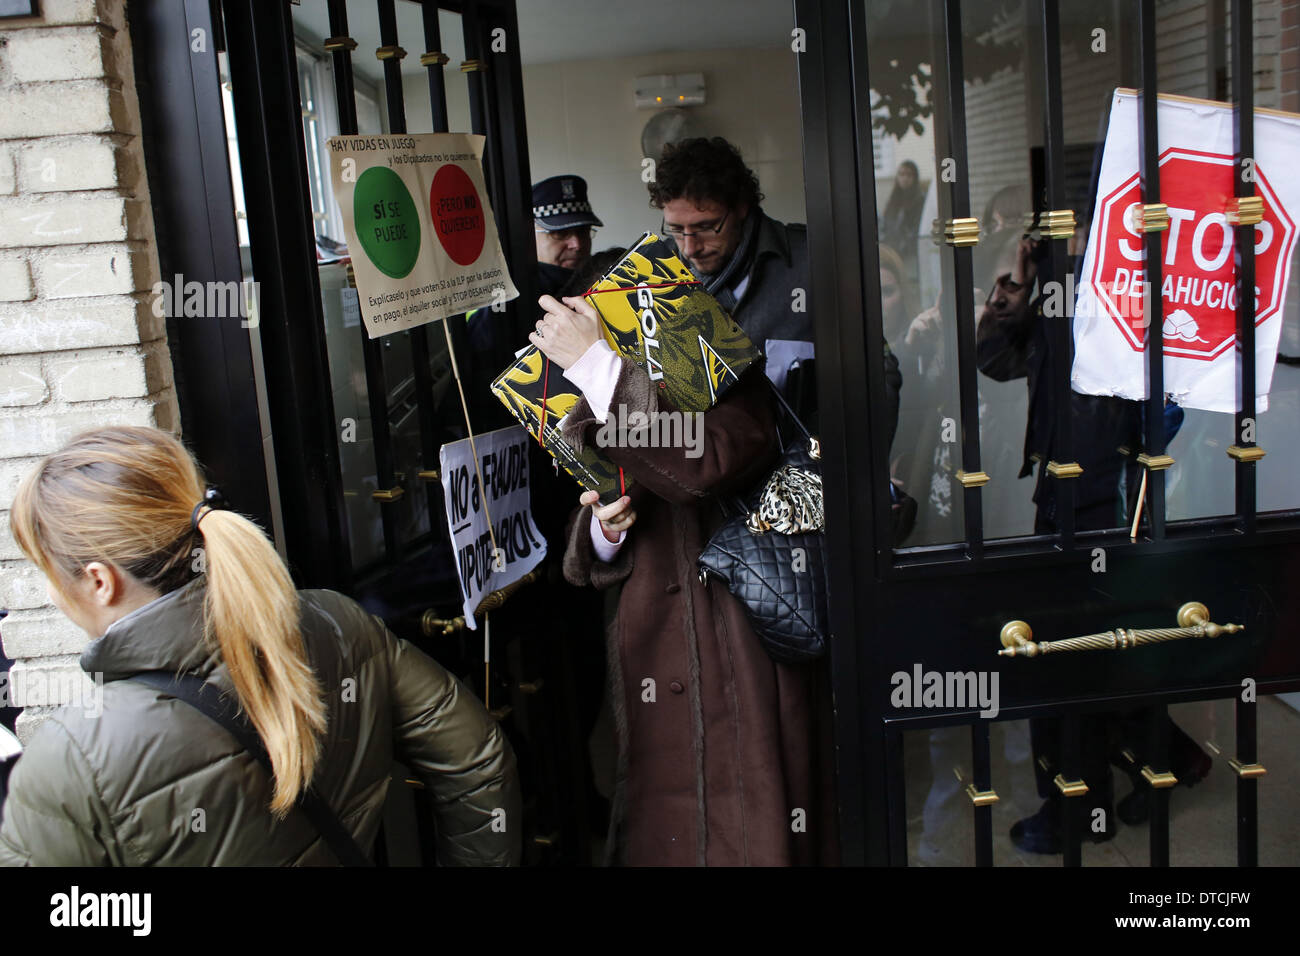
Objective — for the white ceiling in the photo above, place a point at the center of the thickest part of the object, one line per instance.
(554, 31)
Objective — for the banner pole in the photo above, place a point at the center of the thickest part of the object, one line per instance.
(464, 407)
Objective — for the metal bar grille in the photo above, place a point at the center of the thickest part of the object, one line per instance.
(418, 336)
(982, 784)
(1059, 331)
(482, 116)
(1247, 790)
(949, 78)
(437, 80)
(1072, 808)
(264, 90)
(832, 85)
(372, 349)
(1243, 97)
(1153, 305)
(1158, 796)
(897, 797)
(514, 203)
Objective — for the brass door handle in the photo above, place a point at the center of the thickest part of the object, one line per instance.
(434, 626)
(1193, 621)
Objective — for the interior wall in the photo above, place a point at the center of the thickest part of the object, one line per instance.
(582, 119)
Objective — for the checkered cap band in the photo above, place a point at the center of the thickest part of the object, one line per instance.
(559, 208)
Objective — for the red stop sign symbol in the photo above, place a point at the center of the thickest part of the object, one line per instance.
(457, 214)
(1199, 286)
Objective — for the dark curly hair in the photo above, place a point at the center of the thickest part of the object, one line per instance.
(704, 169)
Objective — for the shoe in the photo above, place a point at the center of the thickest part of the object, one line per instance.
(1190, 769)
(1041, 833)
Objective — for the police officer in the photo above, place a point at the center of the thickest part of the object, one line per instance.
(563, 221)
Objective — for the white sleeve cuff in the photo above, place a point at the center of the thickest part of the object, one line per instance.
(596, 373)
(605, 549)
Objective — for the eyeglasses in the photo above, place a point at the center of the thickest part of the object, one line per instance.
(679, 232)
(564, 235)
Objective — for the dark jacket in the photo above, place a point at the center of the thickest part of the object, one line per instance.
(779, 265)
(1012, 341)
(151, 781)
(718, 745)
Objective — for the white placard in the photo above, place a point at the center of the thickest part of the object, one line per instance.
(1199, 273)
(520, 547)
(419, 226)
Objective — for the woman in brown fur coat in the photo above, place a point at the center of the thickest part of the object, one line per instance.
(719, 759)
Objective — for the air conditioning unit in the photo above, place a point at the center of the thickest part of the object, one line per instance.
(669, 89)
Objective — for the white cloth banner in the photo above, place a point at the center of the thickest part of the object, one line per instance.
(520, 547)
(1199, 273)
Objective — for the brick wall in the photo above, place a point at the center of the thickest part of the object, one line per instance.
(80, 345)
(1289, 55)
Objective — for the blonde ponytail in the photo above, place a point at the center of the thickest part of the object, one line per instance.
(126, 496)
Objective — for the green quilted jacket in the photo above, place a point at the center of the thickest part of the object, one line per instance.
(151, 781)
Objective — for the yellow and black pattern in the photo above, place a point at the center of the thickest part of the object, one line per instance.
(657, 314)
(520, 389)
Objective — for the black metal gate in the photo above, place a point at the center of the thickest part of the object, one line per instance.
(355, 423)
(939, 602)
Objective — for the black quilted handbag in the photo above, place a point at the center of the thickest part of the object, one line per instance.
(771, 553)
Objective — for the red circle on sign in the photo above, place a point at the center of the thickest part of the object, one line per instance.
(457, 214)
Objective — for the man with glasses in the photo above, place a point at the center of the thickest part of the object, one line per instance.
(563, 221)
(756, 267)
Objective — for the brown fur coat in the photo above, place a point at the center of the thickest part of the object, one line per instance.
(718, 745)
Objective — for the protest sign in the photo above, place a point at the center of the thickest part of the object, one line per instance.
(1198, 288)
(420, 230)
(519, 547)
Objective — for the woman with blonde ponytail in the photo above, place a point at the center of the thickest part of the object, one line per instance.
(166, 581)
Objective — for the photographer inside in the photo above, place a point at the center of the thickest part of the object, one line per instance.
(717, 742)
(161, 771)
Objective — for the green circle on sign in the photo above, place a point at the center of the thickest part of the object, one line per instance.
(387, 223)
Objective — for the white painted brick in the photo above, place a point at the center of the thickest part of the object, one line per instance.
(22, 586)
(35, 56)
(57, 681)
(39, 434)
(22, 384)
(61, 165)
(15, 281)
(12, 472)
(58, 12)
(61, 326)
(86, 379)
(7, 183)
(51, 109)
(9, 551)
(65, 221)
(41, 633)
(112, 270)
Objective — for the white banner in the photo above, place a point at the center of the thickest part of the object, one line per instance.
(520, 547)
(1199, 273)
